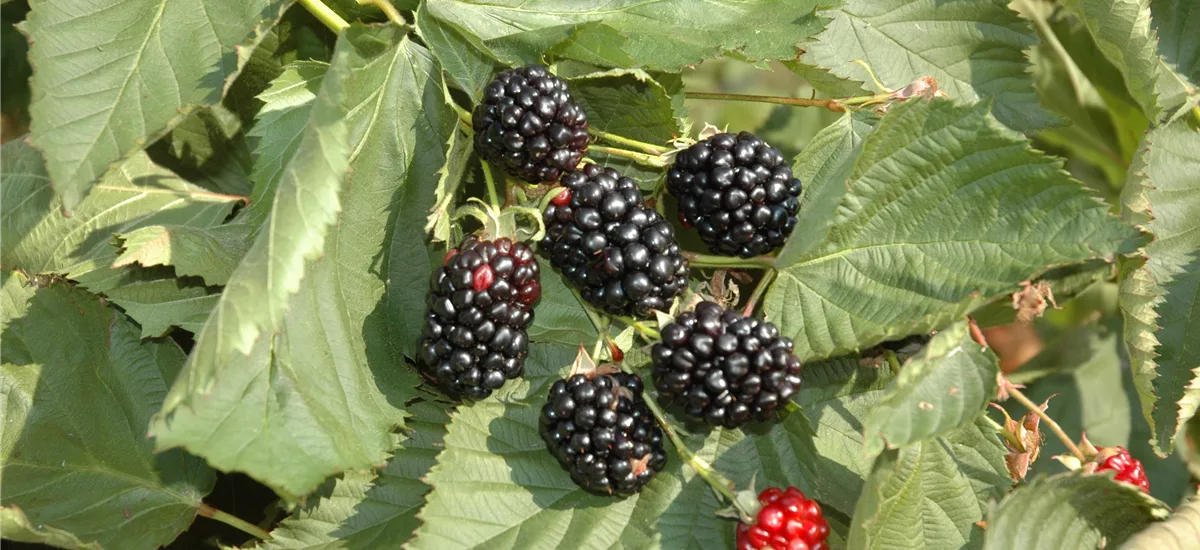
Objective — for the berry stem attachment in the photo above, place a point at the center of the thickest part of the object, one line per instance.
(627, 142)
(325, 15)
(464, 116)
(711, 260)
(831, 104)
(493, 197)
(718, 482)
(233, 521)
(759, 290)
(1058, 431)
(641, 327)
(654, 161)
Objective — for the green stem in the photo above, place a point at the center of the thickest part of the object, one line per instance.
(1196, 113)
(831, 104)
(491, 184)
(1054, 427)
(893, 361)
(622, 140)
(325, 15)
(388, 9)
(710, 260)
(463, 115)
(233, 521)
(655, 161)
(759, 290)
(648, 333)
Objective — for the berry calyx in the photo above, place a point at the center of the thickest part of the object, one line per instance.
(1128, 469)
(725, 368)
(480, 306)
(602, 432)
(528, 125)
(787, 521)
(738, 192)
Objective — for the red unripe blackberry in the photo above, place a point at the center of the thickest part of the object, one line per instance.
(528, 125)
(621, 256)
(738, 192)
(602, 433)
(480, 305)
(787, 521)
(725, 368)
(1128, 469)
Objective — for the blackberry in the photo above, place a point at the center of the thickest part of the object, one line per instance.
(786, 520)
(1128, 469)
(620, 255)
(725, 368)
(602, 433)
(738, 192)
(480, 304)
(528, 124)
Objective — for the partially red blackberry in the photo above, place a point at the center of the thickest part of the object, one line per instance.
(480, 305)
(787, 521)
(738, 192)
(725, 368)
(528, 124)
(1128, 469)
(619, 254)
(601, 431)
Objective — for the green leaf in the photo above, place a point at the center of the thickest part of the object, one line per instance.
(1069, 511)
(14, 62)
(979, 53)
(930, 494)
(322, 394)
(1175, 23)
(159, 304)
(39, 238)
(1121, 29)
(76, 461)
(1159, 290)
(209, 148)
(16, 527)
(99, 97)
(368, 509)
(1180, 531)
(666, 36)
(210, 253)
(943, 209)
(944, 387)
(450, 178)
(461, 55)
(559, 317)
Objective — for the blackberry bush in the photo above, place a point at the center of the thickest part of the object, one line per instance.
(738, 192)
(725, 368)
(601, 431)
(480, 305)
(621, 255)
(528, 125)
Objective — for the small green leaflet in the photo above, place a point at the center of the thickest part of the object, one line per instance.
(167, 56)
(159, 304)
(75, 461)
(209, 253)
(894, 36)
(1121, 29)
(943, 210)
(1072, 511)
(1158, 296)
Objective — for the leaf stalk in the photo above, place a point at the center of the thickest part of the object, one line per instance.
(654, 161)
(233, 521)
(627, 142)
(1058, 431)
(709, 260)
(325, 15)
(757, 295)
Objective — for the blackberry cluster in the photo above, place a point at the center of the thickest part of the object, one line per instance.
(528, 124)
(788, 520)
(602, 433)
(738, 192)
(480, 304)
(725, 368)
(621, 255)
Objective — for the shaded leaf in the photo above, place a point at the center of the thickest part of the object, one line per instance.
(1174, 22)
(17, 528)
(979, 53)
(1122, 30)
(944, 387)
(1070, 511)
(75, 460)
(1180, 531)
(559, 316)
(208, 148)
(930, 494)
(1159, 290)
(461, 55)
(159, 304)
(99, 97)
(209, 253)
(944, 208)
(39, 238)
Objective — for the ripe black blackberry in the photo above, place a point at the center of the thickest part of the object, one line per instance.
(480, 305)
(601, 431)
(528, 124)
(621, 255)
(725, 368)
(738, 192)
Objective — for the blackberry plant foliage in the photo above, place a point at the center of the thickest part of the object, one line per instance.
(338, 261)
